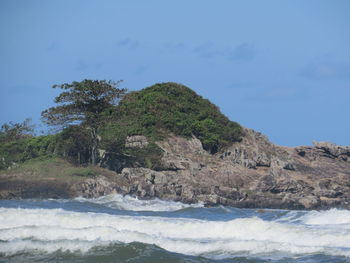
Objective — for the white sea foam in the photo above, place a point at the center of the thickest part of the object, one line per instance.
(134, 204)
(328, 217)
(53, 229)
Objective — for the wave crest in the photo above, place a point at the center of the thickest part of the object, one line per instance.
(121, 202)
(57, 229)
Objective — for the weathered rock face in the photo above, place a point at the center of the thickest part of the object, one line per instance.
(255, 151)
(251, 173)
(95, 187)
(333, 150)
(138, 141)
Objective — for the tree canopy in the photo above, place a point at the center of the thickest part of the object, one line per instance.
(95, 125)
(15, 131)
(171, 107)
(83, 102)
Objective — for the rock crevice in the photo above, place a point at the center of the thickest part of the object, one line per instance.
(250, 173)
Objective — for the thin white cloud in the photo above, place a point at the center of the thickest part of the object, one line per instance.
(243, 52)
(326, 70)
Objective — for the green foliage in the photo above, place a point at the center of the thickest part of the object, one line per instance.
(169, 107)
(154, 112)
(26, 149)
(81, 171)
(54, 169)
(148, 157)
(14, 131)
(83, 102)
(74, 143)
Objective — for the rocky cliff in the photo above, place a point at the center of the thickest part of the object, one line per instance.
(250, 173)
(168, 142)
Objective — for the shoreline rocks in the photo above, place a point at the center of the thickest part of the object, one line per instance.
(253, 173)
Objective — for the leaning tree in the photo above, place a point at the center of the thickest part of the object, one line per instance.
(83, 103)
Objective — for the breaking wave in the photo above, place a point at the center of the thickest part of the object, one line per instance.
(50, 230)
(329, 217)
(131, 203)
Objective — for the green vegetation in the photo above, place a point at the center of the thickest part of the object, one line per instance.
(170, 107)
(84, 103)
(18, 151)
(72, 144)
(54, 168)
(15, 131)
(95, 126)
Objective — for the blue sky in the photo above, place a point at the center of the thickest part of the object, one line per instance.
(279, 67)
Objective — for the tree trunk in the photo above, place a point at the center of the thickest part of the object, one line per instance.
(93, 146)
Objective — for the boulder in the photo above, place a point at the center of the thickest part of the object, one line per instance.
(137, 141)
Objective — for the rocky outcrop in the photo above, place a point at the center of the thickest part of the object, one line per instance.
(251, 173)
(95, 187)
(333, 150)
(255, 151)
(138, 141)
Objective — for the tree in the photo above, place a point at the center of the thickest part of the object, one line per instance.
(83, 103)
(15, 131)
(74, 144)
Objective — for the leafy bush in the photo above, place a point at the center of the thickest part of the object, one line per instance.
(72, 143)
(26, 149)
(153, 112)
(170, 107)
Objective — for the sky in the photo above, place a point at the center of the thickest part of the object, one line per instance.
(279, 67)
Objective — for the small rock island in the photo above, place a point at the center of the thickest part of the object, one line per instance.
(166, 142)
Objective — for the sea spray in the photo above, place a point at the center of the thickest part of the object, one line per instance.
(50, 230)
(134, 204)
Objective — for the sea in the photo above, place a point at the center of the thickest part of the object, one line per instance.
(118, 228)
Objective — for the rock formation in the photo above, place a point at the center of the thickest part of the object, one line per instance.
(136, 141)
(251, 173)
(150, 129)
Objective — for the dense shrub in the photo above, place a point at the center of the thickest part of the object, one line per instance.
(170, 107)
(27, 148)
(154, 112)
(72, 143)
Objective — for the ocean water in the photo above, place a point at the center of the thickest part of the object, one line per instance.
(124, 229)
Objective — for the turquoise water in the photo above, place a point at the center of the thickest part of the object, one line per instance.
(123, 229)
